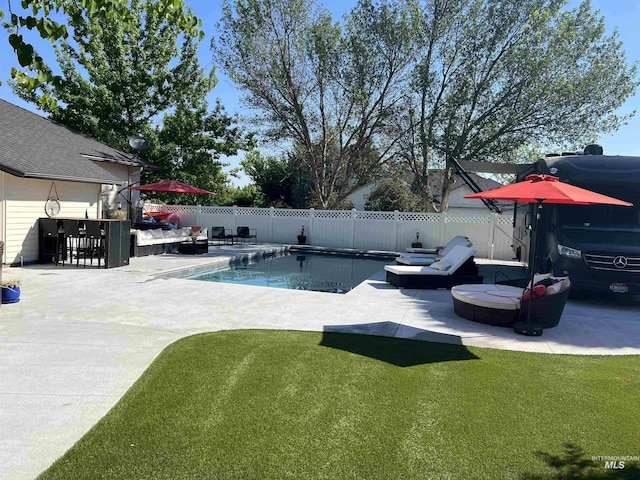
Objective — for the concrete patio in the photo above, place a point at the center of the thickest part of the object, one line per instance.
(79, 338)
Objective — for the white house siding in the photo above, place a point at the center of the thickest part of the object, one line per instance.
(24, 201)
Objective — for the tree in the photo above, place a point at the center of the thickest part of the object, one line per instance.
(136, 77)
(394, 194)
(326, 89)
(38, 16)
(188, 147)
(117, 77)
(279, 182)
(496, 76)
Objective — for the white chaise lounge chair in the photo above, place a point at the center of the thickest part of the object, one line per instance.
(415, 258)
(455, 268)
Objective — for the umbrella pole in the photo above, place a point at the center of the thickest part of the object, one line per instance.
(526, 328)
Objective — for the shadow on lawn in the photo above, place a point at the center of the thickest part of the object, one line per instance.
(575, 465)
(396, 351)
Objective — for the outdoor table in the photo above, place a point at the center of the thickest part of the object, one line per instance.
(116, 241)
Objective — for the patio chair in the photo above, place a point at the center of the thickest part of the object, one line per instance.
(93, 242)
(221, 233)
(52, 245)
(72, 239)
(246, 234)
(457, 240)
(425, 259)
(504, 305)
(455, 268)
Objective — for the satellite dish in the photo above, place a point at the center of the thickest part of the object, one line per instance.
(138, 143)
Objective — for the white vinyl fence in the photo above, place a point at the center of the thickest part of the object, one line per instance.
(490, 233)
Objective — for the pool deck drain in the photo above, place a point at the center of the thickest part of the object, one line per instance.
(79, 338)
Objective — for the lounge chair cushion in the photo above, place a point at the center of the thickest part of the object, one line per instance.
(498, 297)
(443, 250)
(426, 261)
(456, 257)
(442, 265)
(553, 289)
(414, 270)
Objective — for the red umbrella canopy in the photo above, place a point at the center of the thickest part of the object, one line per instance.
(547, 189)
(173, 186)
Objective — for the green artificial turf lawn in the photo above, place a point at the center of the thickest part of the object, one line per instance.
(277, 405)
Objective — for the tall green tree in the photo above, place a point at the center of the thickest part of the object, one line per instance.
(423, 82)
(278, 180)
(38, 17)
(142, 76)
(118, 77)
(496, 76)
(188, 147)
(328, 90)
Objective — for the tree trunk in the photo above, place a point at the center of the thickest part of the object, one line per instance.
(448, 179)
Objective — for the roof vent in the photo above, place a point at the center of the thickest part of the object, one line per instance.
(593, 149)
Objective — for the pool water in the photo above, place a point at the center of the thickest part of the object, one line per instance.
(316, 272)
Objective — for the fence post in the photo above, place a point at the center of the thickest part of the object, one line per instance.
(396, 221)
(492, 234)
(235, 219)
(271, 215)
(311, 217)
(443, 228)
(353, 227)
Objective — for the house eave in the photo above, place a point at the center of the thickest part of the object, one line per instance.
(62, 178)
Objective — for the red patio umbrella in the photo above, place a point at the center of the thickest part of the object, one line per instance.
(540, 189)
(172, 186)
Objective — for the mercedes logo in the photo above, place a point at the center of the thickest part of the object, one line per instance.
(620, 261)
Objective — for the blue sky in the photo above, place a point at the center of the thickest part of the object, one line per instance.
(620, 14)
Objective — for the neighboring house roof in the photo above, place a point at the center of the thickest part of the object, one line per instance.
(435, 186)
(32, 146)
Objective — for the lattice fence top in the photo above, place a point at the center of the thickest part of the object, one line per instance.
(291, 213)
(211, 210)
(467, 219)
(375, 215)
(332, 214)
(419, 217)
(171, 208)
(256, 212)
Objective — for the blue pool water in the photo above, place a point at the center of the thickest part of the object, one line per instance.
(316, 272)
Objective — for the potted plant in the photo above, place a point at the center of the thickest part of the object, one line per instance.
(302, 238)
(10, 290)
(118, 215)
(417, 243)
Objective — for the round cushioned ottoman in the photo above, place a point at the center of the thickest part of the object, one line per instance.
(497, 305)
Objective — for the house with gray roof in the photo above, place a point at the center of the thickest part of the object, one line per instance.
(41, 160)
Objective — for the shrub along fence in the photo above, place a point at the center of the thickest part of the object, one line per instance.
(490, 233)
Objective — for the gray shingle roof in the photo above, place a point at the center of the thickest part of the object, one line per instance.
(32, 146)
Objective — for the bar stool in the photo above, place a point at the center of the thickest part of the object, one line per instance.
(94, 245)
(72, 232)
(49, 232)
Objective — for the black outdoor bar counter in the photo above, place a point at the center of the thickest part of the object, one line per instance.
(110, 250)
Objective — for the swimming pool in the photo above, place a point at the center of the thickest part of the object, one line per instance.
(297, 271)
